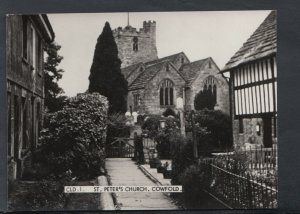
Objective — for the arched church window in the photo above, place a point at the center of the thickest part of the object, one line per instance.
(182, 60)
(210, 86)
(135, 43)
(166, 93)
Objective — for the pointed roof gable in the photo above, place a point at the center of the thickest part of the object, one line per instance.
(190, 71)
(146, 76)
(149, 73)
(262, 43)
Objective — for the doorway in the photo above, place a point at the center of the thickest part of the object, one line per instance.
(267, 131)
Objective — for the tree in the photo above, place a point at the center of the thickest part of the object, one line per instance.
(105, 73)
(204, 99)
(53, 93)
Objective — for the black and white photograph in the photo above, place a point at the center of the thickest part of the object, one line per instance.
(142, 110)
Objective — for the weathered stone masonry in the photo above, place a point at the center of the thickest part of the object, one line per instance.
(146, 74)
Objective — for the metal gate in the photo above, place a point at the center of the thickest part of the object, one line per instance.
(120, 148)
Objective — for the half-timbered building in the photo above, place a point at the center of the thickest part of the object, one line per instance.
(253, 88)
(26, 37)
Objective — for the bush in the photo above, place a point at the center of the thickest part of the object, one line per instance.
(182, 158)
(165, 138)
(74, 137)
(169, 112)
(151, 125)
(193, 182)
(213, 130)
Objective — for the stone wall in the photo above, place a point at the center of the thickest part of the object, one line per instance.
(146, 37)
(198, 84)
(249, 137)
(150, 101)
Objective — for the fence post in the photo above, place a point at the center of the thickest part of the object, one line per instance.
(249, 192)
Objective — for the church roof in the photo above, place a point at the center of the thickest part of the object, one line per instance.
(127, 71)
(171, 58)
(191, 70)
(262, 43)
(146, 76)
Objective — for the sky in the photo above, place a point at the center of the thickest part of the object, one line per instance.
(217, 34)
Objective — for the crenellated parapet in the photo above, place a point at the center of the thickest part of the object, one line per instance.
(148, 30)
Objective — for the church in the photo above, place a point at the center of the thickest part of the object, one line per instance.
(155, 83)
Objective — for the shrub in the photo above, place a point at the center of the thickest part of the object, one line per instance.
(204, 99)
(193, 182)
(213, 130)
(49, 193)
(182, 158)
(74, 137)
(151, 125)
(165, 137)
(169, 112)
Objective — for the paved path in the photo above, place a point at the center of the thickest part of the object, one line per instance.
(124, 172)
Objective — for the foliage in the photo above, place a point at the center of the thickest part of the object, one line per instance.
(193, 182)
(74, 137)
(213, 130)
(169, 112)
(164, 135)
(236, 163)
(151, 125)
(53, 99)
(105, 73)
(49, 193)
(205, 99)
(183, 157)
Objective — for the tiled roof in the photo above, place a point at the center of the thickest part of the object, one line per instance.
(146, 76)
(262, 43)
(171, 58)
(127, 71)
(190, 70)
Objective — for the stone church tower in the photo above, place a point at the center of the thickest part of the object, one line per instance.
(136, 46)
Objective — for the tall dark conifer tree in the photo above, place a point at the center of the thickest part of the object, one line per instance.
(105, 74)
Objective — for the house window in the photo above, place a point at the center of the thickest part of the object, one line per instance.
(135, 44)
(25, 45)
(33, 48)
(24, 124)
(167, 67)
(241, 126)
(166, 93)
(39, 55)
(16, 127)
(136, 100)
(9, 122)
(209, 64)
